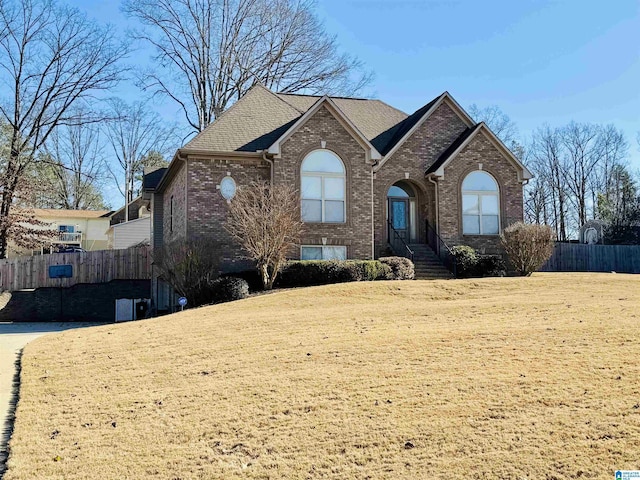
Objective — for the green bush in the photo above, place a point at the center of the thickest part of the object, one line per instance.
(371, 270)
(490, 266)
(466, 261)
(228, 289)
(470, 264)
(252, 277)
(401, 268)
(322, 272)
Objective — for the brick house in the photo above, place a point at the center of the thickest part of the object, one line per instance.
(371, 177)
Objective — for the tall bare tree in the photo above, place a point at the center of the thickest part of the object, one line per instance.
(210, 52)
(51, 58)
(74, 170)
(499, 122)
(575, 166)
(546, 159)
(265, 220)
(134, 132)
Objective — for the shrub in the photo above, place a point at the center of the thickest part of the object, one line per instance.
(190, 267)
(228, 289)
(466, 261)
(528, 246)
(371, 270)
(322, 272)
(470, 264)
(401, 268)
(490, 266)
(252, 277)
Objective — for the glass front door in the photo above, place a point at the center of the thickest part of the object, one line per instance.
(399, 217)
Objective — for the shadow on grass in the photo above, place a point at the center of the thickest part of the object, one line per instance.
(7, 428)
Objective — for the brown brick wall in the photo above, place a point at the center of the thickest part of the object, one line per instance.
(177, 190)
(207, 208)
(480, 150)
(356, 232)
(203, 211)
(414, 157)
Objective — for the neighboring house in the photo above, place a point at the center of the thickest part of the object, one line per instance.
(368, 174)
(136, 231)
(77, 228)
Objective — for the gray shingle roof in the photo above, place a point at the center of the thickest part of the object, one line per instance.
(444, 156)
(402, 128)
(259, 118)
(374, 119)
(252, 123)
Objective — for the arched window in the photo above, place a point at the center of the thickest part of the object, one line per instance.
(480, 205)
(323, 188)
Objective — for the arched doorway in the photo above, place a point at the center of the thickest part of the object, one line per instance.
(402, 212)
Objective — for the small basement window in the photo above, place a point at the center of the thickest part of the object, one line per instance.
(322, 252)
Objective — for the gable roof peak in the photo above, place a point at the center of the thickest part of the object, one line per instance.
(437, 168)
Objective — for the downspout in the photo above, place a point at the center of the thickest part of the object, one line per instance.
(430, 178)
(373, 223)
(270, 162)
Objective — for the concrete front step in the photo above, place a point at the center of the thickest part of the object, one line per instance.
(428, 265)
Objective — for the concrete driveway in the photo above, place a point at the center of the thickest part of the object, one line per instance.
(13, 338)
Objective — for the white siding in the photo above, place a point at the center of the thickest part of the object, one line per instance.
(131, 233)
(96, 229)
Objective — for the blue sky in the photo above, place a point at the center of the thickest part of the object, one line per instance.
(540, 61)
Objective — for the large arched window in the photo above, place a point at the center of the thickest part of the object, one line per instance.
(323, 188)
(480, 204)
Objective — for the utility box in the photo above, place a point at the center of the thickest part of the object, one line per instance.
(132, 309)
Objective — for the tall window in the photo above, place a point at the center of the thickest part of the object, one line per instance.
(480, 204)
(323, 188)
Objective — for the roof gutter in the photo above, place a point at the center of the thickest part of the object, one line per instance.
(169, 172)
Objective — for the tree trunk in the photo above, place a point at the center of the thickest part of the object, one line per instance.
(267, 282)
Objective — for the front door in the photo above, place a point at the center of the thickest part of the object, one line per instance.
(399, 218)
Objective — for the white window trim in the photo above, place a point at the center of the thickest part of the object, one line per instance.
(480, 194)
(322, 176)
(322, 247)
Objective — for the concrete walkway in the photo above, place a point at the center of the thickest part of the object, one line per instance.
(13, 338)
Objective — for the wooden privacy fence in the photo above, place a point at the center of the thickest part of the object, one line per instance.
(88, 267)
(575, 257)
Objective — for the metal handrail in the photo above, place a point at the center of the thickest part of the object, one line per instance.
(397, 235)
(445, 254)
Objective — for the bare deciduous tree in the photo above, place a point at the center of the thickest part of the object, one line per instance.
(210, 52)
(134, 132)
(189, 267)
(51, 58)
(265, 220)
(545, 162)
(498, 121)
(574, 165)
(73, 171)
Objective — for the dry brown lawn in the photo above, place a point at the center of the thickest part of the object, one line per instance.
(525, 378)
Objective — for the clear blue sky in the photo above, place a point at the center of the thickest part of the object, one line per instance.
(541, 62)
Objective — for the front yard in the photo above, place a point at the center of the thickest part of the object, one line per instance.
(490, 378)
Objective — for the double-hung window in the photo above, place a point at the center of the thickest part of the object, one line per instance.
(323, 188)
(480, 204)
